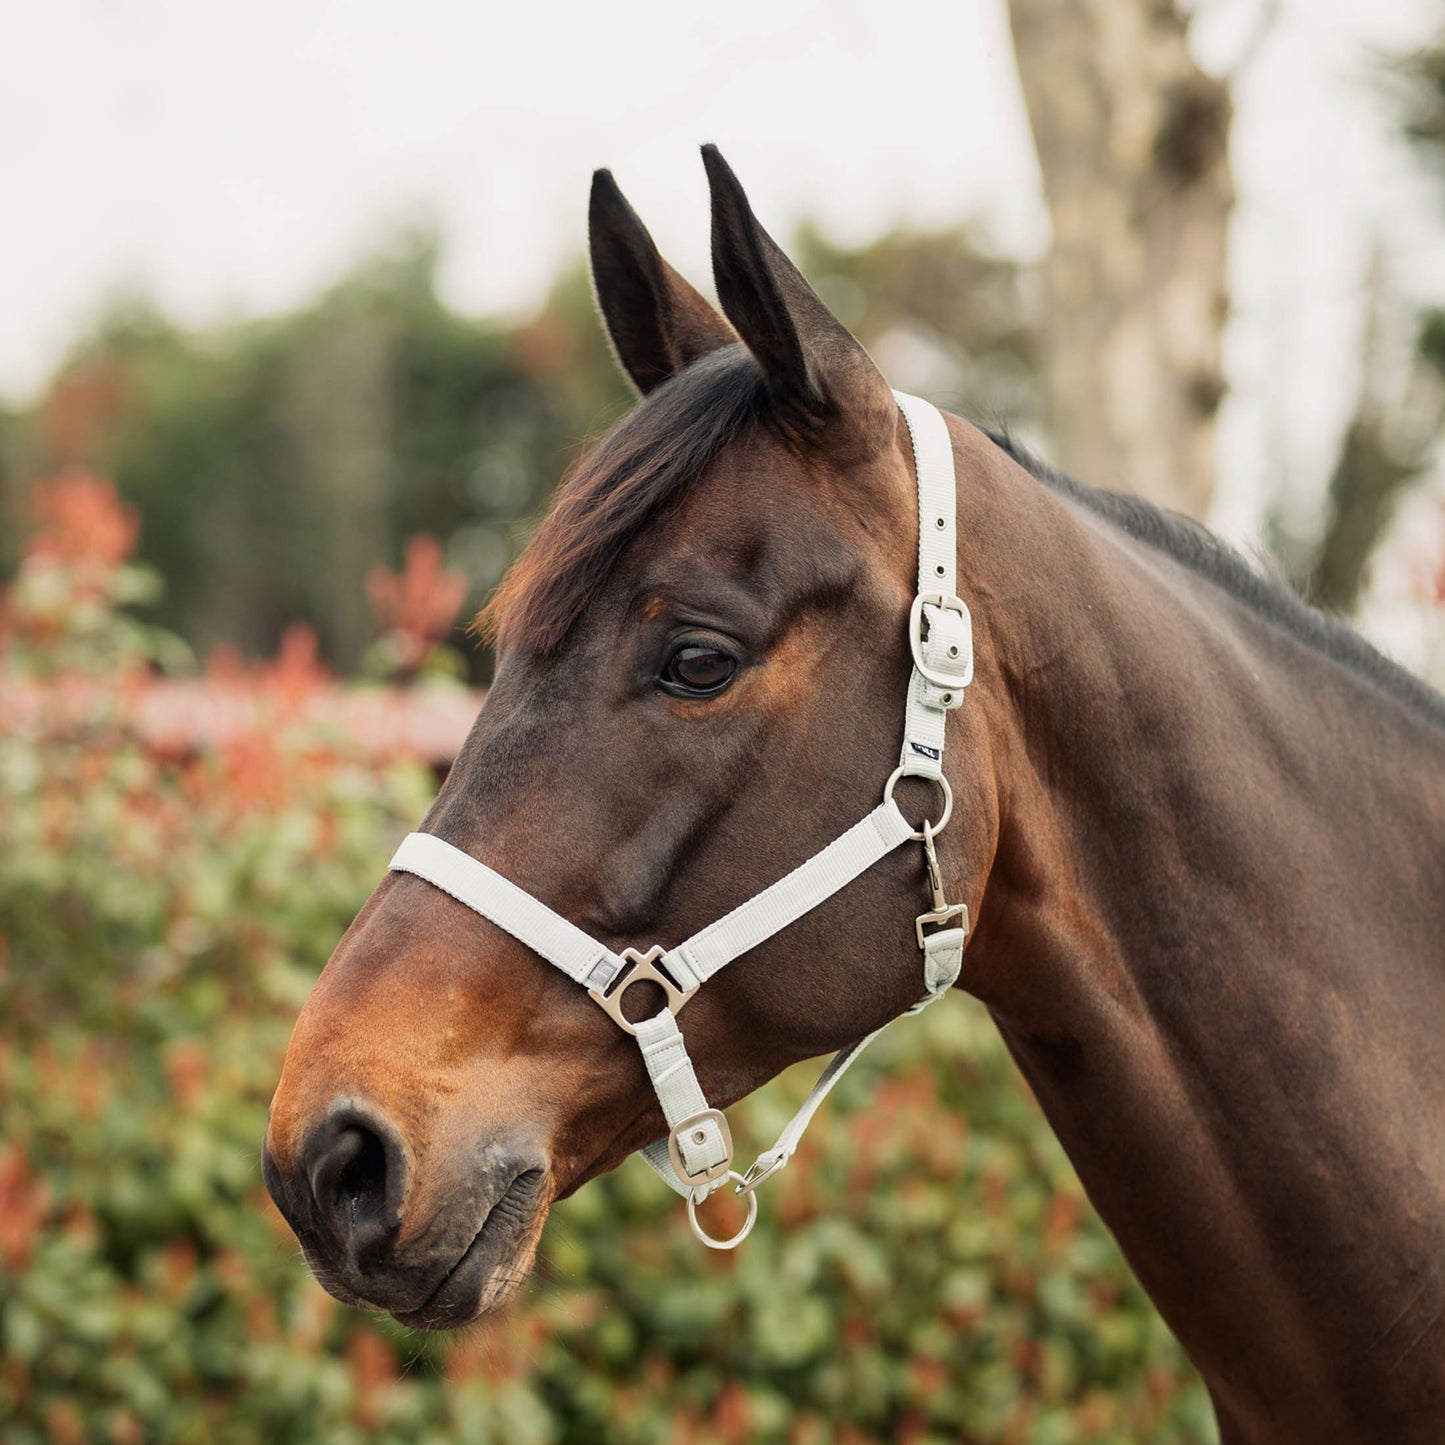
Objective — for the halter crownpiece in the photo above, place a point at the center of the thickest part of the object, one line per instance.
(696, 1157)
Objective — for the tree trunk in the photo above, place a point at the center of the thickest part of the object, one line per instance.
(1132, 139)
(1385, 450)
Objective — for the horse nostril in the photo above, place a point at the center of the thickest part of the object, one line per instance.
(357, 1171)
(361, 1186)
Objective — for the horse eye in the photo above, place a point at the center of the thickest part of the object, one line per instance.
(698, 671)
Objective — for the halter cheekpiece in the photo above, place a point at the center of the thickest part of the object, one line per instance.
(696, 1157)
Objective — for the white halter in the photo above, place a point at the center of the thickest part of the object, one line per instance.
(696, 1157)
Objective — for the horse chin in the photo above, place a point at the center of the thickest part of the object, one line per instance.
(476, 1286)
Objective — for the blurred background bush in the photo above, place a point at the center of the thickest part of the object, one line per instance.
(231, 673)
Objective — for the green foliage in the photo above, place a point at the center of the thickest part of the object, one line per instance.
(926, 1271)
(941, 314)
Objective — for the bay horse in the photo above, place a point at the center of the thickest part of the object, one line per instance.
(1198, 826)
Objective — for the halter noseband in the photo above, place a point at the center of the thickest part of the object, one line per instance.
(696, 1156)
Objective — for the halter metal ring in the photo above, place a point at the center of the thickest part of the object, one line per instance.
(734, 1240)
(942, 782)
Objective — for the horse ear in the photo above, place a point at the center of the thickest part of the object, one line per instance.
(657, 322)
(816, 370)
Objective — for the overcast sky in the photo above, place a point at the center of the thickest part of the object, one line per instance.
(229, 159)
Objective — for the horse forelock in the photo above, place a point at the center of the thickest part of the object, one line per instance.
(643, 465)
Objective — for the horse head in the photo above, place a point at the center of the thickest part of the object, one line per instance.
(701, 662)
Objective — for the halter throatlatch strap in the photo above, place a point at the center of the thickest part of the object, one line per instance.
(696, 1157)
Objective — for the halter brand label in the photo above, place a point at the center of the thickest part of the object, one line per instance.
(934, 753)
(601, 973)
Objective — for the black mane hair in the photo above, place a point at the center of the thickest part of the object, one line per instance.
(1197, 548)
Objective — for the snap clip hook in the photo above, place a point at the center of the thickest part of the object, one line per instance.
(942, 911)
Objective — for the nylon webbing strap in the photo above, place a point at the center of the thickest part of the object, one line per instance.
(704, 1145)
(937, 494)
(527, 919)
(944, 639)
(787, 900)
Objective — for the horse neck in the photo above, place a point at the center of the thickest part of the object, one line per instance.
(1211, 939)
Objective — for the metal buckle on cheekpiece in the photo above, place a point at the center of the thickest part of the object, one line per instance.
(608, 997)
(945, 602)
(942, 911)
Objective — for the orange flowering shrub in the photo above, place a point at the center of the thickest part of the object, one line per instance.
(415, 608)
(83, 524)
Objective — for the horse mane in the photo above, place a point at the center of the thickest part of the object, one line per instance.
(617, 490)
(1197, 548)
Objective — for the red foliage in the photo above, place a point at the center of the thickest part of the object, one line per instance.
(83, 522)
(298, 670)
(930, 1377)
(180, 1259)
(731, 1414)
(63, 1421)
(1061, 1218)
(544, 349)
(417, 605)
(82, 406)
(1426, 561)
(24, 1202)
(372, 1363)
(187, 1068)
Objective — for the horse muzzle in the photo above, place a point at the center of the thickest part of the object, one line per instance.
(434, 1257)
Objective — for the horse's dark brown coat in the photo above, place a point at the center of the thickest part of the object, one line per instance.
(1204, 854)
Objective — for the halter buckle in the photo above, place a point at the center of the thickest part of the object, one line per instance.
(643, 969)
(946, 602)
(699, 1122)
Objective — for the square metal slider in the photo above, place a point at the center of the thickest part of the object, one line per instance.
(637, 968)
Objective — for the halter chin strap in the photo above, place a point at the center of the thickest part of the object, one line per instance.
(696, 1157)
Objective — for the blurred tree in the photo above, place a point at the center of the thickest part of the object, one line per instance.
(942, 315)
(1385, 449)
(1132, 138)
(1400, 410)
(12, 499)
(1423, 103)
(276, 462)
